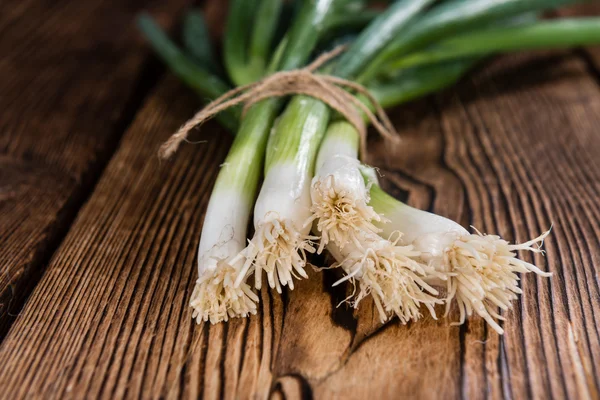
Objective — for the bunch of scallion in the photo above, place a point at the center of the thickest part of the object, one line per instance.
(315, 193)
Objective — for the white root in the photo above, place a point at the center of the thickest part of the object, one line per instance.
(341, 215)
(216, 298)
(392, 275)
(340, 202)
(279, 249)
(483, 274)
(482, 270)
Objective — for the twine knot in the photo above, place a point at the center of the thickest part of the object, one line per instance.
(331, 90)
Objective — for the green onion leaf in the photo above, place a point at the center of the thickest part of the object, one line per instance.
(355, 19)
(196, 40)
(265, 26)
(377, 35)
(452, 17)
(239, 21)
(542, 35)
(304, 34)
(201, 81)
(414, 83)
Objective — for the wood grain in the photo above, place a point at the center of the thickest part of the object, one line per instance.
(511, 151)
(72, 74)
(521, 140)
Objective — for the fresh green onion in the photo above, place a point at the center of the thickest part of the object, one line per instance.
(339, 195)
(481, 269)
(281, 239)
(313, 178)
(220, 293)
(281, 224)
(215, 297)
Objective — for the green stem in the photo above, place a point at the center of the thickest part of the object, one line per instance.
(277, 57)
(235, 44)
(418, 82)
(385, 203)
(377, 35)
(250, 143)
(542, 35)
(302, 41)
(452, 17)
(285, 143)
(196, 40)
(243, 165)
(265, 26)
(297, 135)
(352, 19)
(201, 81)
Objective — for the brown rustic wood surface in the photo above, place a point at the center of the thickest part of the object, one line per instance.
(512, 150)
(72, 75)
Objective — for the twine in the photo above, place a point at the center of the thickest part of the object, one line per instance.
(329, 89)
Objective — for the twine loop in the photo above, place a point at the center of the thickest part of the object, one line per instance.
(331, 90)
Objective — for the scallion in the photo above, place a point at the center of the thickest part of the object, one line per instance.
(316, 193)
(281, 239)
(339, 195)
(221, 291)
(282, 212)
(481, 269)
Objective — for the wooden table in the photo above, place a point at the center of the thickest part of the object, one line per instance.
(98, 238)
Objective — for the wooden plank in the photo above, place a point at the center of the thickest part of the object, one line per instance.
(549, 175)
(523, 145)
(511, 152)
(517, 152)
(71, 80)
